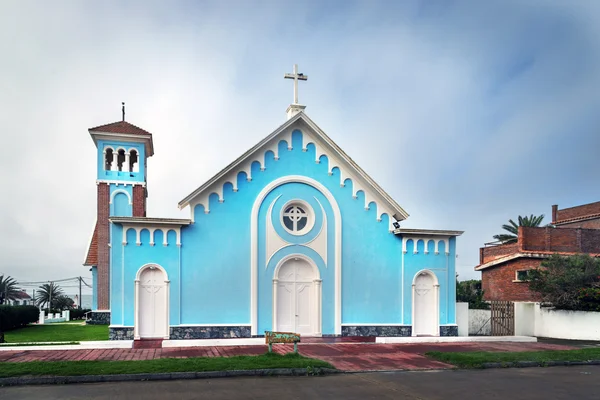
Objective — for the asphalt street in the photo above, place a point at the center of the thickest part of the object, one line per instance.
(514, 383)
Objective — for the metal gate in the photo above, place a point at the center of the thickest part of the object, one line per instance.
(503, 318)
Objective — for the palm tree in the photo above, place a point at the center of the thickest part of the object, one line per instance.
(8, 289)
(48, 293)
(531, 221)
(63, 302)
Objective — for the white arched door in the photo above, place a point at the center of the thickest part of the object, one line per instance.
(425, 305)
(152, 292)
(297, 298)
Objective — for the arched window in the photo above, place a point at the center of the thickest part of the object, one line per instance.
(120, 160)
(108, 159)
(134, 165)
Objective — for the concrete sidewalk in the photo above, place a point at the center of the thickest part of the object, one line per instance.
(343, 356)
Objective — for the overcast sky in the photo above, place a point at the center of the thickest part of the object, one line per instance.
(468, 113)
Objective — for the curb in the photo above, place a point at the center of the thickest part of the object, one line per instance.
(527, 364)
(57, 380)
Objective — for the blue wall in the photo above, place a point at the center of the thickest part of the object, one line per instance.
(210, 273)
(127, 259)
(442, 265)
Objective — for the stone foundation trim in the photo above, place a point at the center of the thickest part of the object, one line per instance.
(98, 318)
(120, 333)
(209, 332)
(448, 330)
(377, 330)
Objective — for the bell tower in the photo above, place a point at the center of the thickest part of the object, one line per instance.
(122, 153)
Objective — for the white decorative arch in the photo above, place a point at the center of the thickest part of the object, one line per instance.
(151, 229)
(427, 271)
(136, 304)
(301, 256)
(113, 194)
(254, 247)
(436, 289)
(317, 290)
(426, 240)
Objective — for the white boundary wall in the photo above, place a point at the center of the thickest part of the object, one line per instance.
(479, 322)
(532, 320)
(462, 318)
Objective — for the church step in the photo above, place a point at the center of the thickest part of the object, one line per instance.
(147, 344)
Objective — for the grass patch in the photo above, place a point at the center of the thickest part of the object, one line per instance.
(36, 344)
(68, 332)
(198, 364)
(475, 359)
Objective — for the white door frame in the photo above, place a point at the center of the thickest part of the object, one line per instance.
(136, 304)
(254, 248)
(317, 293)
(436, 299)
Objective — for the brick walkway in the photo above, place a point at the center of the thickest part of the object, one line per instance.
(344, 356)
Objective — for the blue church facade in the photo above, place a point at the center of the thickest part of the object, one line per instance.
(292, 236)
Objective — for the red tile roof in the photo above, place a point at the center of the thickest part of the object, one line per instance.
(92, 254)
(21, 295)
(576, 219)
(120, 127)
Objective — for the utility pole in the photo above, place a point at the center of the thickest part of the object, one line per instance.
(34, 297)
(79, 302)
(50, 289)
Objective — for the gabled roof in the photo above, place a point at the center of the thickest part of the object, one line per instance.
(120, 127)
(352, 169)
(91, 257)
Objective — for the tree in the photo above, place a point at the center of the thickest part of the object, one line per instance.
(48, 292)
(471, 292)
(8, 289)
(513, 228)
(564, 281)
(63, 302)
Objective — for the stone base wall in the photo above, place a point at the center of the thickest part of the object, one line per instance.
(449, 330)
(98, 318)
(209, 332)
(388, 331)
(120, 333)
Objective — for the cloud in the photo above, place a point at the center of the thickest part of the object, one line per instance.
(467, 113)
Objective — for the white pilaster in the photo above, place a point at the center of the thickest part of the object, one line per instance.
(275, 284)
(136, 316)
(319, 306)
(126, 163)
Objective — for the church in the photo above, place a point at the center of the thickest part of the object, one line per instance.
(293, 236)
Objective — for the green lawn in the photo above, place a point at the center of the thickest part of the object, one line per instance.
(67, 332)
(67, 368)
(475, 359)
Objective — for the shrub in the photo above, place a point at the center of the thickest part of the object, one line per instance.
(589, 299)
(471, 292)
(79, 314)
(567, 283)
(12, 317)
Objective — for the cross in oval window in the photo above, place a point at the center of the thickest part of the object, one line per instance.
(295, 218)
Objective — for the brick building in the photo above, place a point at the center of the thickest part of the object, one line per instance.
(585, 216)
(504, 267)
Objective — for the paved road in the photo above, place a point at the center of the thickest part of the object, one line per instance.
(527, 383)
